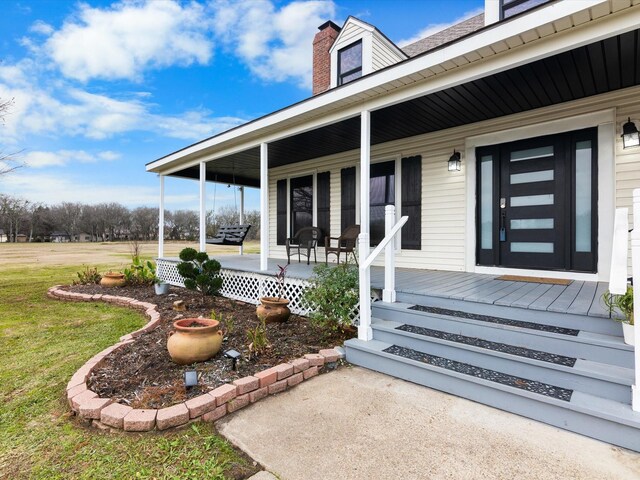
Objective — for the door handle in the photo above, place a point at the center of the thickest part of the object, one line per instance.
(503, 219)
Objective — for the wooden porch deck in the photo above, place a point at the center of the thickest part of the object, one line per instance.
(579, 297)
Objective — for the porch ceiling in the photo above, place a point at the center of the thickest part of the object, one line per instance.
(600, 67)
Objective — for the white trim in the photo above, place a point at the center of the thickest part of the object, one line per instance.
(264, 206)
(365, 174)
(203, 207)
(316, 110)
(605, 121)
(161, 218)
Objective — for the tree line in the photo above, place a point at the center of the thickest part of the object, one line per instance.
(74, 221)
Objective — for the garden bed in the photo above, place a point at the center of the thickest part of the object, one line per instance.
(142, 375)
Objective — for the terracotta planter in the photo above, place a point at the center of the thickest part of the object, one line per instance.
(194, 344)
(112, 280)
(627, 331)
(273, 309)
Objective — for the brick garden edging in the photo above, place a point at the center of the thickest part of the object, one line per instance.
(209, 407)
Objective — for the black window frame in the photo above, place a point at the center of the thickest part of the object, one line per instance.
(342, 74)
(294, 183)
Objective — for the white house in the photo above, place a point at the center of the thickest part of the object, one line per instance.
(500, 139)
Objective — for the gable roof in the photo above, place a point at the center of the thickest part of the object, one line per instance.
(370, 28)
(447, 35)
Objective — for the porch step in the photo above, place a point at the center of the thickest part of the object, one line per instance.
(565, 341)
(571, 409)
(604, 326)
(595, 378)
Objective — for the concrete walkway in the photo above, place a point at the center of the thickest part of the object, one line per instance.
(358, 424)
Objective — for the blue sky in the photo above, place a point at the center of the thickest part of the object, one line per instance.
(101, 88)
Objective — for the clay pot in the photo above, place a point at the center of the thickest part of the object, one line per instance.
(194, 344)
(273, 309)
(113, 280)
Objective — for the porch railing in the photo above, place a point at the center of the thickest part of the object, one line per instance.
(635, 268)
(388, 294)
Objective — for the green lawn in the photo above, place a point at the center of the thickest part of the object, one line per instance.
(42, 343)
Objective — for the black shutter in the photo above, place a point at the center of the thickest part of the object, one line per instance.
(324, 205)
(281, 212)
(347, 197)
(412, 202)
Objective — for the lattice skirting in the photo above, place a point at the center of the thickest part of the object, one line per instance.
(248, 286)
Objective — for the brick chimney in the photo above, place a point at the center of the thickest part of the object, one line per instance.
(321, 58)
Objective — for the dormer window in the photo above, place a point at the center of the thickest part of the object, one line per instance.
(350, 63)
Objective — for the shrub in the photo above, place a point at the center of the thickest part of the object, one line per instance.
(623, 303)
(332, 295)
(140, 272)
(257, 339)
(88, 276)
(200, 272)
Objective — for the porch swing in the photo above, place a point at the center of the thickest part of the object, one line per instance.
(229, 234)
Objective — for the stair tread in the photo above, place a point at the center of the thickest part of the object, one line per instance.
(532, 386)
(499, 320)
(579, 401)
(579, 366)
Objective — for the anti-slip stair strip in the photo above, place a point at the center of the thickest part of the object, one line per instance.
(495, 346)
(484, 373)
(502, 321)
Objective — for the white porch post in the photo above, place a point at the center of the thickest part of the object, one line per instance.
(203, 206)
(161, 219)
(264, 207)
(389, 292)
(364, 329)
(635, 265)
(241, 213)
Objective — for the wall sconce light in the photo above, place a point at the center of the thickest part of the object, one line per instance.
(455, 162)
(630, 135)
(190, 378)
(234, 355)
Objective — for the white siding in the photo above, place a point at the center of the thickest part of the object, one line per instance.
(349, 34)
(383, 54)
(443, 192)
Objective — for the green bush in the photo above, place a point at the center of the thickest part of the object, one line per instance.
(200, 272)
(140, 272)
(88, 276)
(623, 303)
(333, 295)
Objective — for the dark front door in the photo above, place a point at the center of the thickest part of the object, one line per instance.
(537, 203)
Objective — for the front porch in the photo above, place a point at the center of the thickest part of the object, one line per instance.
(578, 297)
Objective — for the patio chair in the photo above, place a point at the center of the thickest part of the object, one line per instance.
(305, 240)
(345, 243)
(230, 235)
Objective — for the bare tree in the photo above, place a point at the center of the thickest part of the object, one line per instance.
(144, 223)
(8, 161)
(67, 217)
(14, 212)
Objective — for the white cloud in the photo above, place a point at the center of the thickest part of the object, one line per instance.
(57, 109)
(42, 159)
(51, 189)
(121, 41)
(41, 27)
(275, 44)
(437, 27)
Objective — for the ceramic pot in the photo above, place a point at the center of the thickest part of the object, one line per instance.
(194, 344)
(161, 288)
(112, 280)
(627, 331)
(273, 309)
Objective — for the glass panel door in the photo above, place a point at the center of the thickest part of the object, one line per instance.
(301, 203)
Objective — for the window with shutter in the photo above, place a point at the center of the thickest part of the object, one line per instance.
(412, 202)
(281, 212)
(347, 197)
(324, 204)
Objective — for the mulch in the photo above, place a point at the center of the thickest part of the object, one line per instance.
(142, 375)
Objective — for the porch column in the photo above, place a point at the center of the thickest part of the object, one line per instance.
(635, 266)
(264, 207)
(203, 206)
(241, 212)
(161, 219)
(364, 329)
